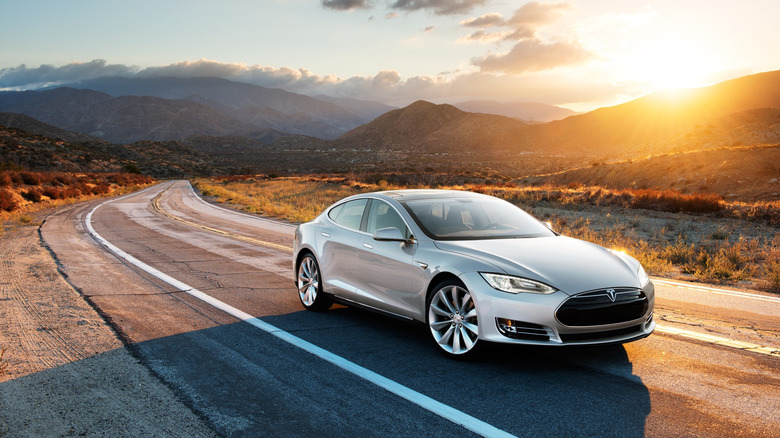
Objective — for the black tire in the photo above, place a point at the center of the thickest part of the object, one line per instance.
(310, 285)
(451, 316)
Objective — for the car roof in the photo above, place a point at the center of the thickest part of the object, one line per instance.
(414, 194)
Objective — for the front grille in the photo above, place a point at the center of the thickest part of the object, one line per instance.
(598, 307)
(522, 330)
(593, 336)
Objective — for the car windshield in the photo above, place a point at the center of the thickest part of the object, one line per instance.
(473, 218)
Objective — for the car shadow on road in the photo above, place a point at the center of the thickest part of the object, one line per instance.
(246, 382)
(527, 391)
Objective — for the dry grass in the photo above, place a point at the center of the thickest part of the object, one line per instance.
(3, 364)
(668, 245)
(23, 193)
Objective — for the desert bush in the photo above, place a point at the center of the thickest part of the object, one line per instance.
(773, 277)
(675, 202)
(5, 179)
(31, 178)
(679, 253)
(132, 168)
(32, 194)
(71, 192)
(7, 201)
(3, 363)
(100, 189)
(53, 192)
(16, 178)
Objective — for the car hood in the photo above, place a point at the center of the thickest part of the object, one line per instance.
(567, 264)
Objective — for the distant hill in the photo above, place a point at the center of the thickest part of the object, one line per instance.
(443, 128)
(660, 121)
(526, 111)
(742, 111)
(121, 119)
(264, 108)
(41, 147)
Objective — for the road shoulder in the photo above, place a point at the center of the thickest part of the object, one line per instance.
(67, 372)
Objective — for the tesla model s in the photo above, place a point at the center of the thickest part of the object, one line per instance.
(473, 268)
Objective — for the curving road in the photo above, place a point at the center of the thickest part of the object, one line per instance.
(204, 295)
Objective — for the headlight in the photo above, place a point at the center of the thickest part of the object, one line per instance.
(643, 278)
(516, 285)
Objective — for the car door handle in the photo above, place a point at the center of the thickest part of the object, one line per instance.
(325, 234)
(366, 245)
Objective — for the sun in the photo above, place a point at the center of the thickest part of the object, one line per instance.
(672, 65)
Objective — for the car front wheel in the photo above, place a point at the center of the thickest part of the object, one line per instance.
(452, 318)
(309, 287)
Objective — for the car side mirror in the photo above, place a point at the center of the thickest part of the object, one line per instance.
(390, 234)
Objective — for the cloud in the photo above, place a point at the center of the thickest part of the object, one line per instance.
(388, 86)
(346, 5)
(439, 7)
(523, 23)
(531, 55)
(484, 37)
(487, 20)
(537, 14)
(429, 29)
(22, 77)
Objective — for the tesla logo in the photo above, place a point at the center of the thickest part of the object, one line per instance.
(611, 294)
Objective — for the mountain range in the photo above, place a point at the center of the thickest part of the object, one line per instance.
(125, 110)
(742, 111)
(222, 119)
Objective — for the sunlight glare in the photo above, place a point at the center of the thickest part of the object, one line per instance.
(671, 66)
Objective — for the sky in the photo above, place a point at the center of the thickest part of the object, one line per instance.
(579, 54)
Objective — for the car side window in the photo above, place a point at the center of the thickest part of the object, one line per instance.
(382, 215)
(349, 214)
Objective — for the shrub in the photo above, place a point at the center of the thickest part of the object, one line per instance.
(33, 195)
(53, 192)
(100, 189)
(132, 168)
(3, 364)
(773, 277)
(71, 192)
(7, 201)
(30, 178)
(672, 201)
(679, 253)
(5, 179)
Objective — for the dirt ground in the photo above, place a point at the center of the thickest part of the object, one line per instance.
(64, 371)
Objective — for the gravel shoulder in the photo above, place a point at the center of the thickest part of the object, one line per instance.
(65, 372)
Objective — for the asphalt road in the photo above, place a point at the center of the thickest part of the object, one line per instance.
(248, 379)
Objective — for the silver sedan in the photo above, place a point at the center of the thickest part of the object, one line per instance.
(473, 268)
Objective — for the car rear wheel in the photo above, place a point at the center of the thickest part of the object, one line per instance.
(309, 287)
(452, 318)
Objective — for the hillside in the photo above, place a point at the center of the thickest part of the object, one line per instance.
(22, 149)
(742, 173)
(121, 119)
(530, 112)
(659, 122)
(423, 126)
(742, 111)
(264, 108)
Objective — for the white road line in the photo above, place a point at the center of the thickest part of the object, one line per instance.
(717, 290)
(236, 212)
(458, 417)
(747, 346)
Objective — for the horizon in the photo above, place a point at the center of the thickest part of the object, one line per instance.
(577, 55)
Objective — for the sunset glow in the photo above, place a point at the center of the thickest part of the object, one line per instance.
(577, 54)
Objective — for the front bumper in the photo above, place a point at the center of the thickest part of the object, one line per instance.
(528, 318)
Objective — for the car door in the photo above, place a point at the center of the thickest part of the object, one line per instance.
(383, 269)
(339, 240)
